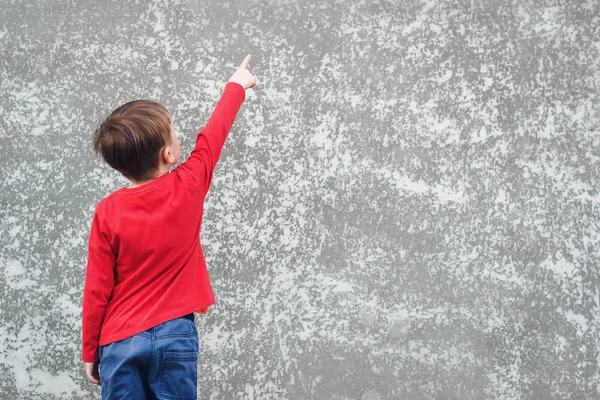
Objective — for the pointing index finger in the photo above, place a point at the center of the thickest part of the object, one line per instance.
(246, 61)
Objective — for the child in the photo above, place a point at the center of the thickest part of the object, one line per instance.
(146, 274)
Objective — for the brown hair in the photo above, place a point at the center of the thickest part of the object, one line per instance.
(131, 137)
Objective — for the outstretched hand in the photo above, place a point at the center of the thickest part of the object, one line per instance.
(243, 76)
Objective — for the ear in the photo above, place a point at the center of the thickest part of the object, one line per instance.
(168, 156)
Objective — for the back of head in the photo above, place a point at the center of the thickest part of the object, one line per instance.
(131, 137)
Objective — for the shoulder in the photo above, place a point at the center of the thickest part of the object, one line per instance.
(104, 204)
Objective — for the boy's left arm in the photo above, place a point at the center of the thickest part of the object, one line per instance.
(99, 284)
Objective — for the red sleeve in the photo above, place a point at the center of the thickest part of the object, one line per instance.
(99, 283)
(210, 140)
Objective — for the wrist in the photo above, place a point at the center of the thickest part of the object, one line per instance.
(237, 83)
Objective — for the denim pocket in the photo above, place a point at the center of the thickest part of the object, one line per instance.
(178, 374)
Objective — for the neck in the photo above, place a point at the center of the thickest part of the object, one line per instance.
(140, 183)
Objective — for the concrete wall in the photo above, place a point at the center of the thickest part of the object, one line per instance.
(407, 206)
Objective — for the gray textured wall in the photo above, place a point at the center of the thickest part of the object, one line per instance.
(407, 206)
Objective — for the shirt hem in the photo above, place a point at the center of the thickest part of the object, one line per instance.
(104, 340)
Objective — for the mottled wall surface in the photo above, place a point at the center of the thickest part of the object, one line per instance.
(407, 206)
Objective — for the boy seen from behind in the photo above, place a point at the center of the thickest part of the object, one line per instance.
(146, 275)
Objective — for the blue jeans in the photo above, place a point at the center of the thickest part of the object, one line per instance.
(160, 363)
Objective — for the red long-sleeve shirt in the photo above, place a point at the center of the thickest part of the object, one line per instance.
(145, 262)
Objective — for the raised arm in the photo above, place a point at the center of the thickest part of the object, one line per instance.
(211, 139)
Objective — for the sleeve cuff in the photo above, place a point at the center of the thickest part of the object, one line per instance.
(90, 357)
(236, 86)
